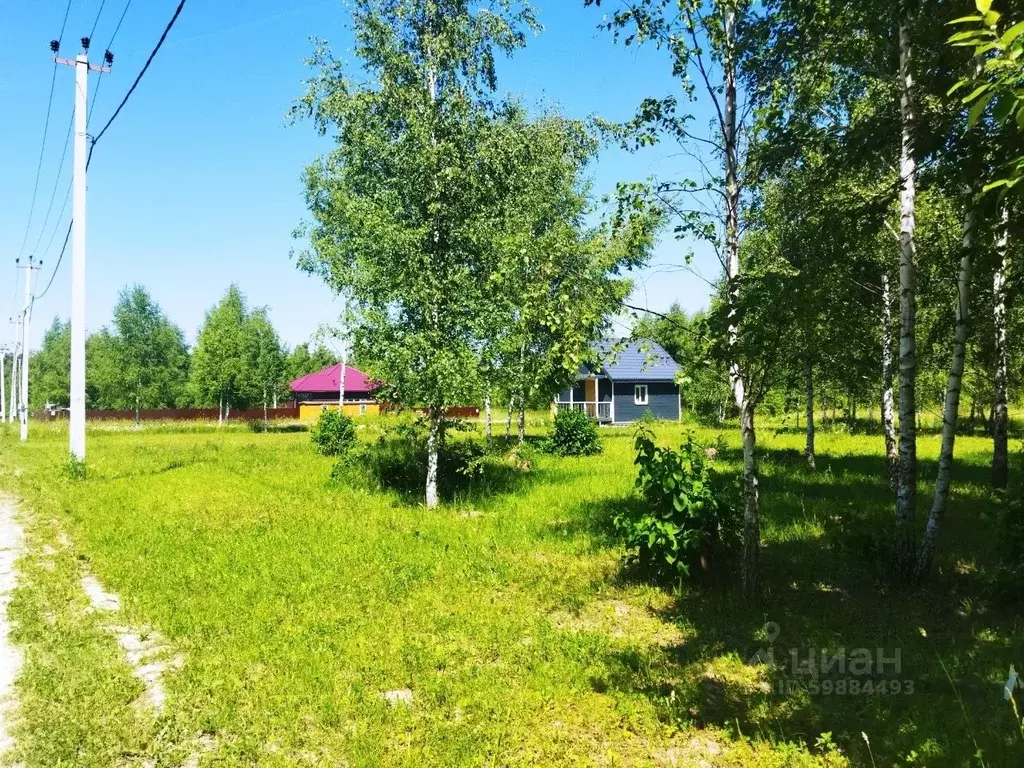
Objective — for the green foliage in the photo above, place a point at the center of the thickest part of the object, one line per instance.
(333, 434)
(397, 461)
(996, 88)
(219, 360)
(687, 520)
(704, 386)
(573, 434)
(147, 361)
(266, 358)
(49, 368)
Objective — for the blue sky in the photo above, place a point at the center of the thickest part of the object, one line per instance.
(197, 183)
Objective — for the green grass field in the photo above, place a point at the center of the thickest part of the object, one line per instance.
(296, 603)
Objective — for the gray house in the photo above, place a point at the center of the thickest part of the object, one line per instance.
(631, 378)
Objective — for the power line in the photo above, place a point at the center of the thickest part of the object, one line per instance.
(97, 21)
(46, 130)
(39, 165)
(55, 266)
(110, 44)
(120, 21)
(159, 44)
(92, 146)
(56, 184)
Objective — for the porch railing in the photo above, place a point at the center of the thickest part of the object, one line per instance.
(599, 411)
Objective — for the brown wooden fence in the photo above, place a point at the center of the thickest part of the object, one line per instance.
(249, 414)
(179, 414)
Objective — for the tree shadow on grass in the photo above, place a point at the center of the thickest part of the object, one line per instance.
(468, 472)
(748, 667)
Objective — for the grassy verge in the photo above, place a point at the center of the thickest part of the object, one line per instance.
(298, 604)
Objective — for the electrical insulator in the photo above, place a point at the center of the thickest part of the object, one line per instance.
(85, 43)
(55, 45)
(109, 58)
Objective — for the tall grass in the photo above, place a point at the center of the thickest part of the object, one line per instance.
(298, 602)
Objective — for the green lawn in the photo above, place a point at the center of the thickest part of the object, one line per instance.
(296, 603)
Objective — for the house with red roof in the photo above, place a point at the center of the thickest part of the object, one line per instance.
(316, 391)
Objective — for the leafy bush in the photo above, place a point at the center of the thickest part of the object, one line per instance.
(397, 461)
(333, 434)
(574, 435)
(688, 520)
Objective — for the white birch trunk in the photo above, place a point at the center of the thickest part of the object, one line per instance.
(951, 411)
(751, 512)
(522, 418)
(906, 485)
(220, 409)
(341, 384)
(809, 446)
(434, 438)
(508, 423)
(487, 417)
(892, 457)
(1000, 414)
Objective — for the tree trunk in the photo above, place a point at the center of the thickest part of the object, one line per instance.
(738, 384)
(264, 406)
(341, 383)
(487, 417)
(435, 438)
(508, 423)
(227, 410)
(951, 411)
(522, 418)
(809, 379)
(138, 407)
(274, 403)
(906, 476)
(1000, 457)
(751, 506)
(220, 409)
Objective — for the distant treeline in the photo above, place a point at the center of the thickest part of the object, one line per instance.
(141, 360)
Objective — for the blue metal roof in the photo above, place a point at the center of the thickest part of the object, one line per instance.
(641, 360)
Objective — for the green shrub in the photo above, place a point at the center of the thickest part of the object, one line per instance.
(687, 519)
(574, 434)
(397, 461)
(333, 434)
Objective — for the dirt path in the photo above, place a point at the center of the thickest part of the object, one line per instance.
(12, 544)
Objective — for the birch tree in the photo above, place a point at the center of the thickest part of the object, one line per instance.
(701, 40)
(219, 360)
(906, 471)
(402, 207)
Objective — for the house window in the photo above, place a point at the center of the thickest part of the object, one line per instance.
(640, 394)
(362, 409)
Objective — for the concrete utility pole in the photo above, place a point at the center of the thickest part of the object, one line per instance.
(3, 384)
(77, 415)
(26, 320)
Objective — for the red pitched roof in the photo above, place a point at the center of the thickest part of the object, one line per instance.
(327, 381)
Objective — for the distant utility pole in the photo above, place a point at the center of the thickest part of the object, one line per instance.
(82, 69)
(26, 320)
(3, 384)
(14, 372)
